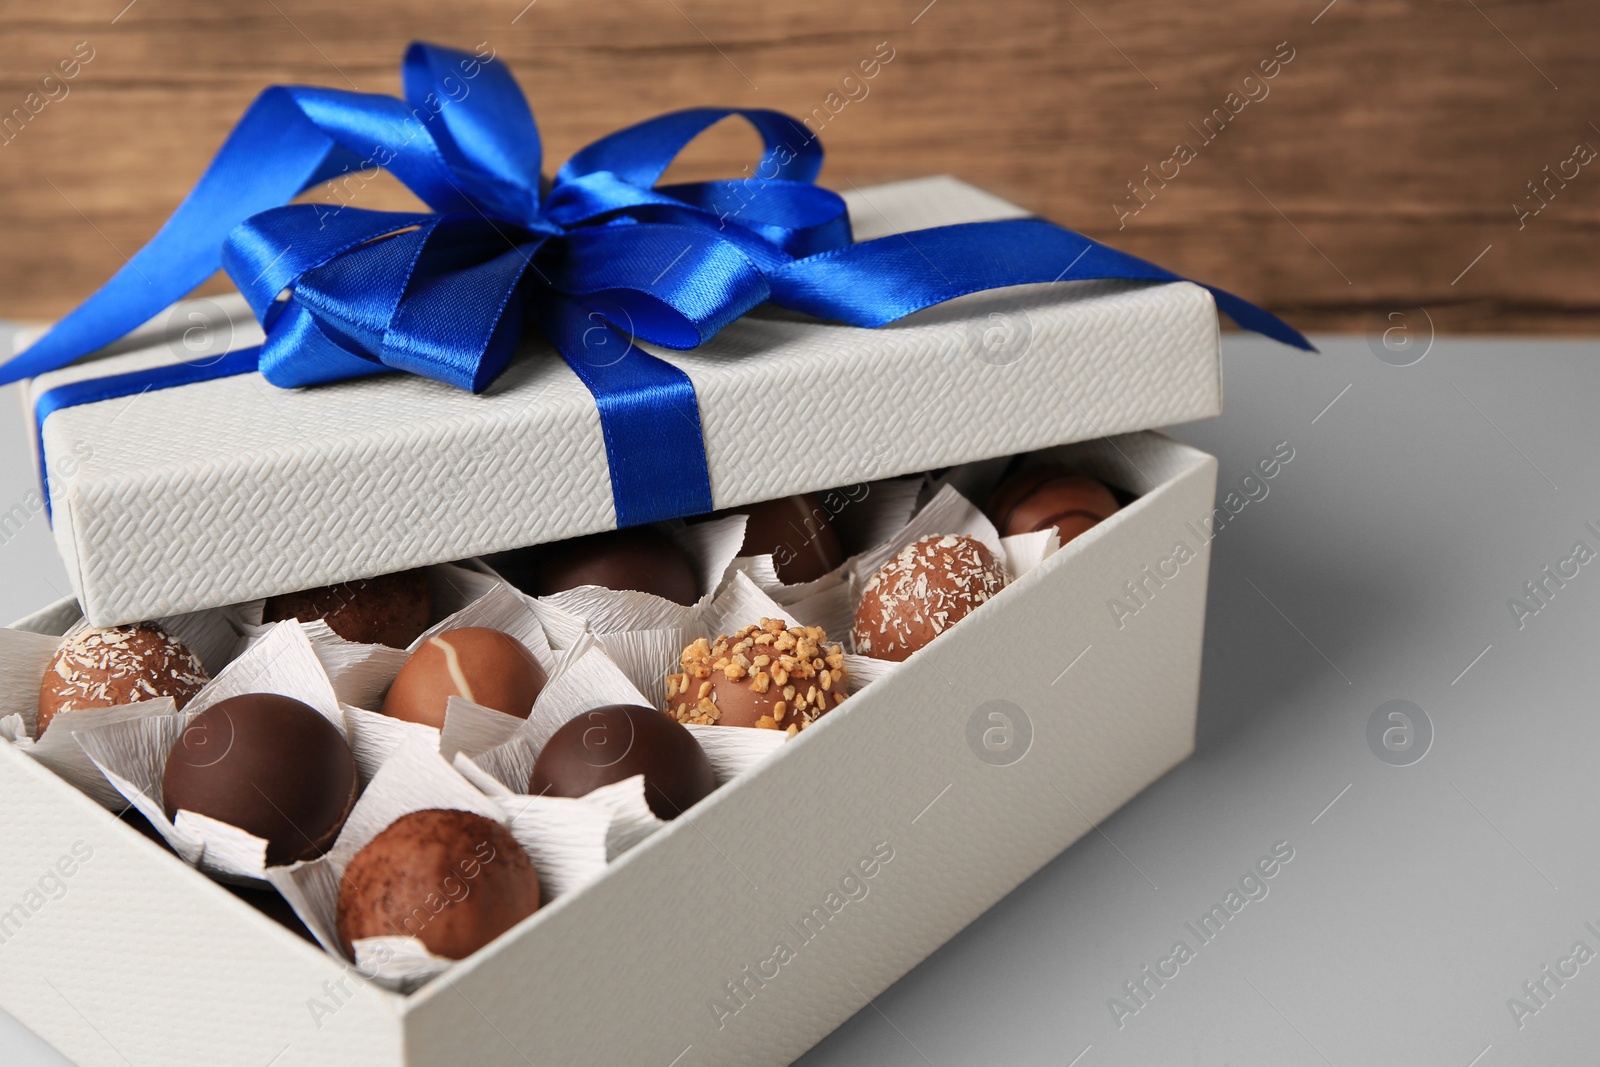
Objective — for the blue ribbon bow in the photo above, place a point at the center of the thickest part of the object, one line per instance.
(599, 257)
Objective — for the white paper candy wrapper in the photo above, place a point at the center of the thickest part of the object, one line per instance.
(132, 751)
(711, 545)
(214, 636)
(564, 839)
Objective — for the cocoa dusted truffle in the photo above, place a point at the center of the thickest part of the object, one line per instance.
(639, 558)
(269, 765)
(453, 880)
(391, 609)
(797, 532)
(926, 589)
(606, 745)
(1037, 498)
(485, 666)
(106, 668)
(773, 676)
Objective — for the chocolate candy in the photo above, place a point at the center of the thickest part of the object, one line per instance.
(797, 532)
(926, 589)
(270, 766)
(608, 744)
(105, 668)
(485, 666)
(1038, 498)
(451, 879)
(773, 676)
(391, 609)
(638, 558)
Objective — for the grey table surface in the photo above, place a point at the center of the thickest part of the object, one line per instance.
(1440, 860)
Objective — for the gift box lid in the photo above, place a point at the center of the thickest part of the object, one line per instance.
(227, 490)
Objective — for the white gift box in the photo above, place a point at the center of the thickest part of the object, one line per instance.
(752, 925)
(225, 491)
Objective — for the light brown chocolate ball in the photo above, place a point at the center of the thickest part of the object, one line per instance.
(105, 668)
(1038, 498)
(773, 676)
(451, 879)
(926, 589)
(485, 666)
(391, 609)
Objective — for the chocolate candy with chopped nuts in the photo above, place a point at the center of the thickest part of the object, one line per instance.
(772, 676)
(606, 745)
(926, 589)
(638, 558)
(1037, 498)
(269, 765)
(106, 668)
(485, 666)
(453, 880)
(391, 609)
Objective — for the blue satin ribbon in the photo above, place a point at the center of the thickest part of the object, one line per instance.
(598, 258)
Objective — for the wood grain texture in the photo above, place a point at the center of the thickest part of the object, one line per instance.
(1385, 156)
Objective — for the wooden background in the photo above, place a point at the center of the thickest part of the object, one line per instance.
(1381, 171)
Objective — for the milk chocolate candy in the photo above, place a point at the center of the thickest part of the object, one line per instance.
(451, 879)
(485, 666)
(1037, 498)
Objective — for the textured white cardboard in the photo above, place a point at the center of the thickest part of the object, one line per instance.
(226, 491)
(742, 933)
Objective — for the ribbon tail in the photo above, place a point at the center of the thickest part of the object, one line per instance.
(875, 282)
(271, 155)
(649, 416)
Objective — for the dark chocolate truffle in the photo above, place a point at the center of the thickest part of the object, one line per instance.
(926, 589)
(773, 676)
(269, 765)
(638, 558)
(106, 668)
(608, 744)
(1038, 498)
(797, 532)
(485, 666)
(391, 609)
(453, 880)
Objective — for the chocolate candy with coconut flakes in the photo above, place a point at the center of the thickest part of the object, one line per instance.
(106, 668)
(772, 676)
(926, 589)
